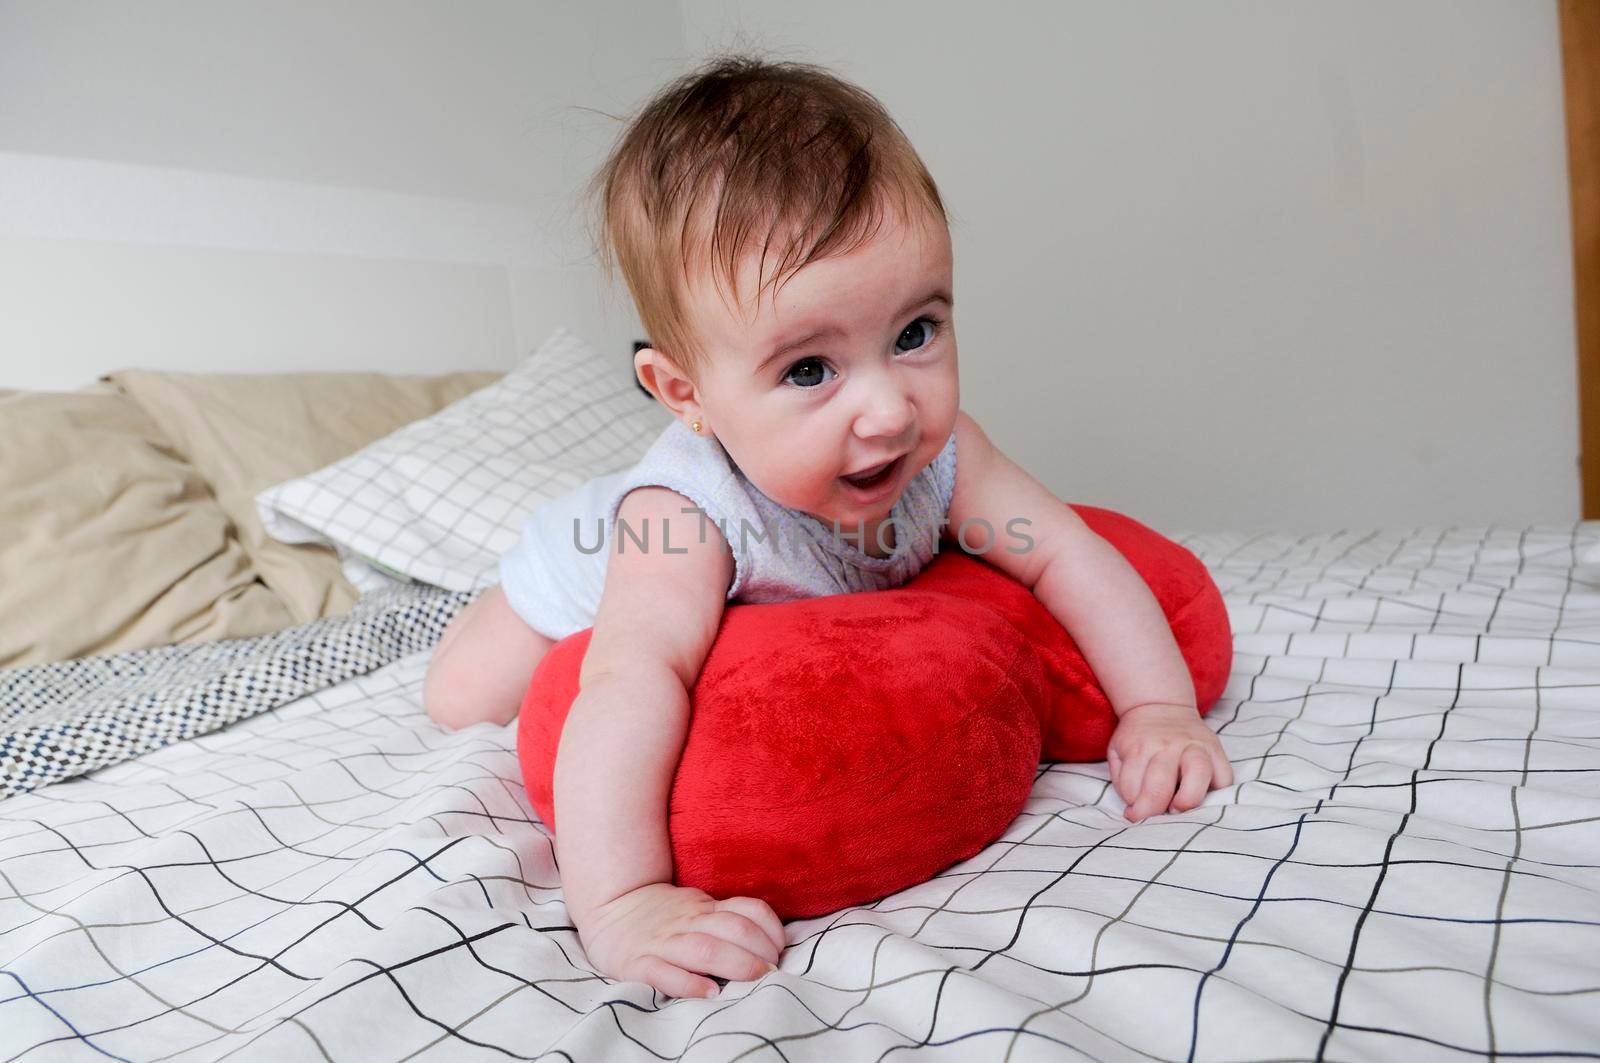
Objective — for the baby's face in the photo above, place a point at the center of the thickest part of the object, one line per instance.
(852, 366)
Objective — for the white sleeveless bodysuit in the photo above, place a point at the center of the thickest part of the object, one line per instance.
(554, 575)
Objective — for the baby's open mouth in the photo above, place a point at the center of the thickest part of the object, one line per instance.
(870, 478)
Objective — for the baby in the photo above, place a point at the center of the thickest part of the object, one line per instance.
(818, 388)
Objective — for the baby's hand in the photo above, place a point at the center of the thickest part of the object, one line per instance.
(1163, 758)
(662, 935)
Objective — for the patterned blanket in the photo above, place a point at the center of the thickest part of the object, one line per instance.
(61, 720)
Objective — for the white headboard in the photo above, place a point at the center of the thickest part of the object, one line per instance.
(106, 265)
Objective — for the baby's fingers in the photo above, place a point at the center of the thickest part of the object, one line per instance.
(697, 951)
(759, 912)
(669, 978)
(740, 930)
(1160, 779)
(1129, 777)
(1195, 767)
(1221, 769)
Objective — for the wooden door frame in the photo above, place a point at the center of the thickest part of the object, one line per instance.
(1580, 62)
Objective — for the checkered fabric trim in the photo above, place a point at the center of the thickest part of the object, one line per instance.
(440, 500)
(63, 719)
(1405, 870)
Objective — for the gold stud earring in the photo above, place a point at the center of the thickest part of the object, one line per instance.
(695, 424)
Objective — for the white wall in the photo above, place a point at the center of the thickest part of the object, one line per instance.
(1218, 264)
(1232, 264)
(364, 184)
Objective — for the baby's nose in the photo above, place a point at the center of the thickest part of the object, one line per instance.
(886, 412)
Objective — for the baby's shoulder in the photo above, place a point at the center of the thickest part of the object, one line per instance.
(664, 535)
(968, 436)
(659, 501)
(975, 453)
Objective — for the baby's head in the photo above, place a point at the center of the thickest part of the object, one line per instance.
(789, 256)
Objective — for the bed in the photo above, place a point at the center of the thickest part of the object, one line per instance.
(258, 846)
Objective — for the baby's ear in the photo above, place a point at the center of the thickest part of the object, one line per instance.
(639, 345)
(665, 379)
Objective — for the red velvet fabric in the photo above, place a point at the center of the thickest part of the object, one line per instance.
(844, 748)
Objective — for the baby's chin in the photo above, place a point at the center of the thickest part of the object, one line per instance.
(833, 511)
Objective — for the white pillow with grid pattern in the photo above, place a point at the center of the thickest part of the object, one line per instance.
(440, 500)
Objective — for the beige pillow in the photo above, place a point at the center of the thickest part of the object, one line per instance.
(109, 541)
(246, 433)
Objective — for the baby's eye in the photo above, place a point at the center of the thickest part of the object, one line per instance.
(808, 373)
(919, 334)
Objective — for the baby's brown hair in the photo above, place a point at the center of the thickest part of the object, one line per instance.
(743, 151)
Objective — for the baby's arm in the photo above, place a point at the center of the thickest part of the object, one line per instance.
(619, 750)
(1161, 756)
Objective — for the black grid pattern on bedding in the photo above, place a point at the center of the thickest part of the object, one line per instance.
(442, 499)
(1406, 868)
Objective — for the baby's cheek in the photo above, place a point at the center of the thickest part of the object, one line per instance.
(816, 484)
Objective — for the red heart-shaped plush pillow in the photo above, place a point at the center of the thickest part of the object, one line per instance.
(846, 747)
